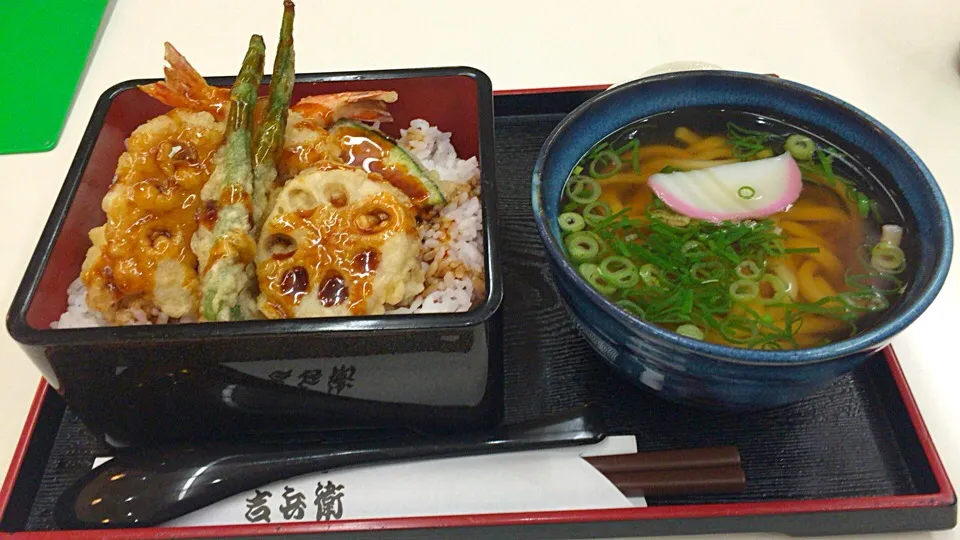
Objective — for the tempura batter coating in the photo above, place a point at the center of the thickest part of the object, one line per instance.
(141, 259)
(338, 243)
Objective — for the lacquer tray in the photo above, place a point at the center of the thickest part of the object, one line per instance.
(855, 458)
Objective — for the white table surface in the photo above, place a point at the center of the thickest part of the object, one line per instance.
(896, 60)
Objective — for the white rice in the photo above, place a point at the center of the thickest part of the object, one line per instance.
(451, 252)
(452, 249)
(77, 314)
(434, 150)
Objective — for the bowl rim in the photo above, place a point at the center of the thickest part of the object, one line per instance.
(26, 334)
(866, 341)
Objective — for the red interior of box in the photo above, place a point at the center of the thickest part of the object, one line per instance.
(448, 102)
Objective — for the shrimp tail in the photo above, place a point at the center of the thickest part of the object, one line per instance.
(184, 87)
(268, 137)
(366, 106)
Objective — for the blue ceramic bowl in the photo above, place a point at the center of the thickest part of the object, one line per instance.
(695, 372)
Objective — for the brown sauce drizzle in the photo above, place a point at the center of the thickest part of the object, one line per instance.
(337, 255)
(318, 151)
(235, 194)
(281, 246)
(337, 196)
(333, 291)
(234, 245)
(366, 262)
(207, 216)
(295, 282)
(359, 148)
(154, 211)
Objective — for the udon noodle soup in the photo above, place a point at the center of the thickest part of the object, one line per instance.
(734, 228)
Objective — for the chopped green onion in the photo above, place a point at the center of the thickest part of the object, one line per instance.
(617, 220)
(631, 306)
(586, 269)
(864, 204)
(690, 330)
(821, 164)
(570, 207)
(864, 300)
(694, 249)
(738, 329)
(583, 246)
(635, 160)
(613, 168)
(571, 222)
(746, 192)
(596, 212)
(670, 218)
(800, 147)
(619, 271)
(888, 258)
(597, 149)
(777, 285)
(632, 145)
(882, 283)
(744, 290)
(826, 163)
(648, 274)
(712, 270)
(748, 270)
(583, 189)
(671, 270)
(746, 142)
(591, 273)
(802, 250)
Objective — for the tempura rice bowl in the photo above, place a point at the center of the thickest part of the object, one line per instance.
(162, 382)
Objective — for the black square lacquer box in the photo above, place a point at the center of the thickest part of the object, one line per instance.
(147, 384)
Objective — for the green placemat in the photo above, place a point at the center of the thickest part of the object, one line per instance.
(44, 46)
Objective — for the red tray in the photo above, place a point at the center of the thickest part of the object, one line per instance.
(855, 458)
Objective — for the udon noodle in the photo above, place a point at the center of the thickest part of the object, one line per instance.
(811, 273)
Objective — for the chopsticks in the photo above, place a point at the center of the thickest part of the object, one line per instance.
(692, 471)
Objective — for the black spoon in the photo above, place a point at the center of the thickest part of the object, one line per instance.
(150, 487)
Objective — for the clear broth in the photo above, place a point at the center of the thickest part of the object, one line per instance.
(845, 242)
